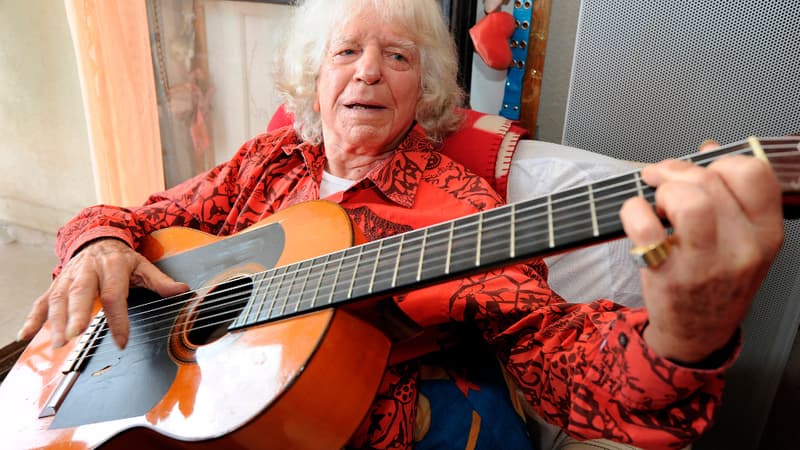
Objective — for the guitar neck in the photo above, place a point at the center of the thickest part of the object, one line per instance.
(533, 228)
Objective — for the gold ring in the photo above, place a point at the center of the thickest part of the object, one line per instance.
(653, 255)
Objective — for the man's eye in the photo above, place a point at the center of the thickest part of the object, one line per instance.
(398, 57)
(346, 52)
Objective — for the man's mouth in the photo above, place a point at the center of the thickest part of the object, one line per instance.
(357, 105)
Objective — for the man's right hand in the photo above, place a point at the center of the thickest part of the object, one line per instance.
(104, 269)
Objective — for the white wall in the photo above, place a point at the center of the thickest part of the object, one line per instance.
(44, 150)
(242, 41)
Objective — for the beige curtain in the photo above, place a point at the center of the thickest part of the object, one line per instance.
(112, 48)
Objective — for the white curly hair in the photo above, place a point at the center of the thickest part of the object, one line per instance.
(310, 31)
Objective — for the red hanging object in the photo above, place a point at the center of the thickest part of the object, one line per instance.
(491, 37)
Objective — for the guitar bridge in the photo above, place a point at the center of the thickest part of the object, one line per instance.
(85, 345)
(72, 365)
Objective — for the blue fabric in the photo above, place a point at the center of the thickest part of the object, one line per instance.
(478, 404)
(512, 96)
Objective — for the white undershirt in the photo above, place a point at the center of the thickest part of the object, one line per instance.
(332, 184)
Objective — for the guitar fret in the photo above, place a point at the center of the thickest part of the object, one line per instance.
(288, 291)
(464, 243)
(242, 318)
(495, 237)
(422, 254)
(531, 229)
(363, 272)
(512, 244)
(571, 219)
(397, 261)
(342, 285)
(550, 231)
(263, 296)
(433, 252)
(449, 248)
(638, 184)
(335, 279)
(386, 265)
(319, 281)
(480, 235)
(276, 291)
(614, 193)
(375, 267)
(355, 271)
(410, 255)
(595, 227)
(302, 286)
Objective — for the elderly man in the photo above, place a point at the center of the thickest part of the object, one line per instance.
(372, 86)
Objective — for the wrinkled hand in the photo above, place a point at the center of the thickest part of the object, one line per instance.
(728, 228)
(104, 269)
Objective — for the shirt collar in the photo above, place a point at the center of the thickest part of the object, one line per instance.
(397, 177)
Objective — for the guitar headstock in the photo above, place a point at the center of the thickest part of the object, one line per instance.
(783, 154)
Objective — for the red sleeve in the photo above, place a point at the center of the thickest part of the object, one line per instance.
(202, 202)
(583, 367)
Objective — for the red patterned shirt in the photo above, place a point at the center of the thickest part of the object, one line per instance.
(583, 367)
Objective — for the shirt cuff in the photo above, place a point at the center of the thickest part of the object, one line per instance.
(101, 232)
(633, 373)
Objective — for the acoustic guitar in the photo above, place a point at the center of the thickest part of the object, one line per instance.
(274, 345)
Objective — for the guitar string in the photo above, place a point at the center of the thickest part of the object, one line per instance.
(491, 250)
(556, 210)
(286, 303)
(432, 235)
(355, 280)
(168, 310)
(288, 293)
(519, 211)
(308, 268)
(221, 303)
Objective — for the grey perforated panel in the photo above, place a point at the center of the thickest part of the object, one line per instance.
(652, 79)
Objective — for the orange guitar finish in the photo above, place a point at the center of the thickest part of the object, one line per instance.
(299, 383)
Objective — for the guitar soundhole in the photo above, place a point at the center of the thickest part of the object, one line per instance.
(219, 309)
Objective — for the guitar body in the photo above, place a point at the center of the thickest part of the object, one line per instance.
(299, 383)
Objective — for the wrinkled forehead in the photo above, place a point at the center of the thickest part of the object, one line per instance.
(365, 16)
(356, 32)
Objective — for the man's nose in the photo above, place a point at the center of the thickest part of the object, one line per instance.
(369, 68)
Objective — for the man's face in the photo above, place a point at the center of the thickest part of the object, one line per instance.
(368, 85)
